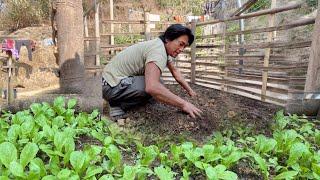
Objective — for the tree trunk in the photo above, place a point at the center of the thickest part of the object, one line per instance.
(70, 45)
(308, 102)
(312, 87)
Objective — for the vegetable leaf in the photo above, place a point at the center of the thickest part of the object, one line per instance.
(16, 169)
(287, 175)
(129, 173)
(72, 103)
(28, 153)
(164, 173)
(8, 153)
(77, 159)
(114, 154)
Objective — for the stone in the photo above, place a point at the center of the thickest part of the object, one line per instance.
(231, 114)
(121, 122)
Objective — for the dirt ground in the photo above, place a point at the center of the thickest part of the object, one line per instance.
(221, 111)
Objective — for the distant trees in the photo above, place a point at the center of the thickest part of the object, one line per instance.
(184, 6)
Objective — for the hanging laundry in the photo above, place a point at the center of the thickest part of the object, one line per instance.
(30, 44)
(14, 46)
(8, 46)
(178, 19)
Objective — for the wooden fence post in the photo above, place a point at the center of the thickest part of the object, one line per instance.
(267, 55)
(193, 53)
(10, 67)
(97, 32)
(147, 29)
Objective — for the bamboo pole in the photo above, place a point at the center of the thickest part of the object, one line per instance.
(244, 7)
(138, 22)
(267, 54)
(255, 67)
(132, 33)
(241, 51)
(123, 22)
(223, 60)
(131, 36)
(86, 31)
(275, 44)
(298, 23)
(241, 89)
(111, 24)
(255, 14)
(250, 84)
(97, 32)
(193, 54)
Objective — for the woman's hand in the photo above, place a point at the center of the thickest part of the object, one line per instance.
(192, 93)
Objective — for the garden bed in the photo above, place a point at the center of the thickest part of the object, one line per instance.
(236, 138)
(221, 111)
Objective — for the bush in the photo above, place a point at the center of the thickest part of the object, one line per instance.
(312, 3)
(18, 14)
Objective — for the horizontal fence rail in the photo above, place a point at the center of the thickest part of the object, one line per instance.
(255, 14)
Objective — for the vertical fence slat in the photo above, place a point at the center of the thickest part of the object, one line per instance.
(267, 55)
(193, 53)
(111, 24)
(223, 58)
(97, 32)
(86, 31)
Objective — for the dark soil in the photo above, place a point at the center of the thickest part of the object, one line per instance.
(221, 111)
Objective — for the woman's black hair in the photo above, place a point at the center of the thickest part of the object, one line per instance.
(175, 31)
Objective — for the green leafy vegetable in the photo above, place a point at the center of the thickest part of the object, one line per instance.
(8, 153)
(77, 159)
(164, 173)
(16, 169)
(286, 175)
(28, 153)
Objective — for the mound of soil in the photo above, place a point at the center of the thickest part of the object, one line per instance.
(38, 73)
(221, 111)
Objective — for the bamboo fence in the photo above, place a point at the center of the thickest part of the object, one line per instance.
(258, 70)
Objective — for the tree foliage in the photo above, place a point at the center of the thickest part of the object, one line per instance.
(260, 4)
(16, 14)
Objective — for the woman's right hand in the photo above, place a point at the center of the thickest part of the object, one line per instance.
(192, 110)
